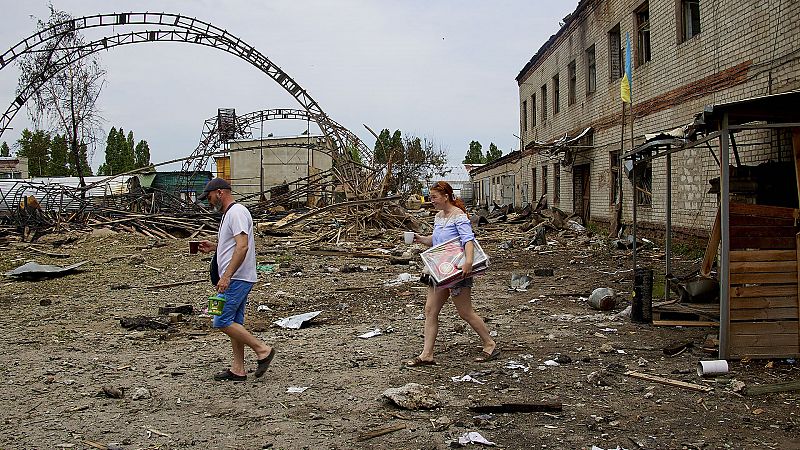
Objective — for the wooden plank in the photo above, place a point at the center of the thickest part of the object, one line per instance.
(767, 243)
(762, 353)
(763, 291)
(796, 152)
(783, 327)
(764, 266)
(684, 323)
(745, 209)
(667, 381)
(737, 220)
(756, 231)
(711, 248)
(785, 386)
(763, 255)
(763, 340)
(764, 314)
(764, 278)
(363, 436)
(518, 407)
(764, 302)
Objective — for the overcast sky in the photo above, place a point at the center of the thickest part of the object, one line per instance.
(440, 70)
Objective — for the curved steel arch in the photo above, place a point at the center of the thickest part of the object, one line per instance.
(212, 139)
(197, 32)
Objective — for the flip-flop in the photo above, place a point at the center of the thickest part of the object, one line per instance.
(263, 364)
(227, 375)
(486, 357)
(417, 361)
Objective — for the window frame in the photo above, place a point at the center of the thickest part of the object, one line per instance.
(616, 54)
(643, 43)
(533, 111)
(591, 69)
(556, 94)
(688, 13)
(644, 178)
(544, 103)
(544, 180)
(572, 74)
(524, 116)
(556, 183)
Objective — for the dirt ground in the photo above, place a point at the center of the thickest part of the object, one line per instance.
(63, 342)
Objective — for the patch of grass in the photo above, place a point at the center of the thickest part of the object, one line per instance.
(284, 258)
(689, 250)
(596, 229)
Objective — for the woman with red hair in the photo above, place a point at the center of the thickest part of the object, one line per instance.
(450, 222)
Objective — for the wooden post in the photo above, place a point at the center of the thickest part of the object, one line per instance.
(796, 151)
(711, 249)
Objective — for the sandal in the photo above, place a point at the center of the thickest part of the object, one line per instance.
(486, 357)
(417, 361)
(227, 375)
(263, 364)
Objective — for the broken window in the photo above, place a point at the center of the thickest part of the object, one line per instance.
(690, 19)
(614, 177)
(591, 70)
(544, 180)
(524, 115)
(644, 184)
(642, 16)
(615, 54)
(544, 103)
(556, 94)
(573, 82)
(533, 111)
(556, 184)
(534, 196)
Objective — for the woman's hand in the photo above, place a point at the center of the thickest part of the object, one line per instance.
(466, 268)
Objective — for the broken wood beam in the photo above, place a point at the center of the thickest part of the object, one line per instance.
(785, 386)
(668, 381)
(339, 205)
(177, 283)
(380, 432)
(517, 408)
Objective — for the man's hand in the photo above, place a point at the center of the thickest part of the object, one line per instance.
(224, 282)
(207, 246)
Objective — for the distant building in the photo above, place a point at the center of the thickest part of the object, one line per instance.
(273, 163)
(686, 54)
(13, 167)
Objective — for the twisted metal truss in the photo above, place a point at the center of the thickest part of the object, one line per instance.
(342, 144)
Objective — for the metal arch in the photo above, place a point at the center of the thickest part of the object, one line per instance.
(197, 32)
(211, 139)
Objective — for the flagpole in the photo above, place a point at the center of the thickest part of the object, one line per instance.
(635, 188)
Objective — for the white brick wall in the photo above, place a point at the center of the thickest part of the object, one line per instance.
(732, 32)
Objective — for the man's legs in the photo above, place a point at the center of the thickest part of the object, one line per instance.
(231, 322)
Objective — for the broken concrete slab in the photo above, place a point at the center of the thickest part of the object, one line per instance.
(414, 396)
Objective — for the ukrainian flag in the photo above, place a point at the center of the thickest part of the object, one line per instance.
(627, 77)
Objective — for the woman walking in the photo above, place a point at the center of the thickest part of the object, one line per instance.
(450, 222)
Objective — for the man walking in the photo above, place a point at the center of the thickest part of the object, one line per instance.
(236, 260)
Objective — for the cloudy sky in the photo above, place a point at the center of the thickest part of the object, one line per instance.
(441, 70)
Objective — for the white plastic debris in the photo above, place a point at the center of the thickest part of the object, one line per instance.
(515, 365)
(473, 437)
(369, 334)
(466, 378)
(404, 277)
(551, 363)
(295, 322)
(296, 389)
(263, 308)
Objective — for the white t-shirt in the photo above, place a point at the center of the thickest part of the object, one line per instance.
(237, 220)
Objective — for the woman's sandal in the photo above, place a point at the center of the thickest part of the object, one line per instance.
(486, 357)
(417, 361)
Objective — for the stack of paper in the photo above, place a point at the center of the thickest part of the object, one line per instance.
(444, 261)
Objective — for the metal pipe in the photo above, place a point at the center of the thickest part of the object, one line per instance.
(668, 253)
(724, 270)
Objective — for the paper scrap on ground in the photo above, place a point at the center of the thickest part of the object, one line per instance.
(296, 389)
(466, 378)
(295, 322)
(369, 334)
(473, 437)
(515, 365)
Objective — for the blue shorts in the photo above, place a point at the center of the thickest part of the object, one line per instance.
(235, 302)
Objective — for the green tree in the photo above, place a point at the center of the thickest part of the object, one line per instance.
(142, 154)
(410, 161)
(474, 154)
(59, 155)
(36, 147)
(67, 100)
(388, 147)
(83, 156)
(4, 150)
(111, 154)
(493, 154)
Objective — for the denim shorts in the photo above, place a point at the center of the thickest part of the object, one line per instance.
(235, 302)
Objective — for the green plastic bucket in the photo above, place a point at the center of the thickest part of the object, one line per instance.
(216, 303)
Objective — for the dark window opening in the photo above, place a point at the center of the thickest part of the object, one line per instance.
(591, 71)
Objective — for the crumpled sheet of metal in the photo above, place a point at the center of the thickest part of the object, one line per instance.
(33, 269)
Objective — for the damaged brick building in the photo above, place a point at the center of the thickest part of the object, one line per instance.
(686, 54)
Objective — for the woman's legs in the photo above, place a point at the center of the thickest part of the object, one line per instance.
(433, 305)
(463, 304)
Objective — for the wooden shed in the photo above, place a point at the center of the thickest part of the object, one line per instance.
(757, 244)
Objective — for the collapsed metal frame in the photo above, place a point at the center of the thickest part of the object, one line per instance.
(721, 121)
(351, 173)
